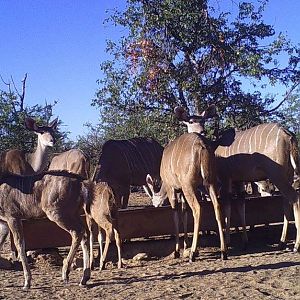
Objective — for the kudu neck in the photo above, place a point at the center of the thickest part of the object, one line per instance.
(39, 158)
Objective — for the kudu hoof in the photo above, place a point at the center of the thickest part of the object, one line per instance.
(296, 249)
(26, 287)
(281, 246)
(176, 254)
(192, 257)
(224, 255)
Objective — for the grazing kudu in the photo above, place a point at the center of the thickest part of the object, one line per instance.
(18, 162)
(74, 161)
(101, 208)
(187, 163)
(266, 151)
(57, 195)
(127, 162)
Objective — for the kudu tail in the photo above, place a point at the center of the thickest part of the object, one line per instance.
(208, 167)
(295, 155)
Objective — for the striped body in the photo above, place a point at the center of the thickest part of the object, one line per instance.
(257, 152)
(186, 160)
(127, 162)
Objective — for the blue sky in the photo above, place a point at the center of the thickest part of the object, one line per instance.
(61, 43)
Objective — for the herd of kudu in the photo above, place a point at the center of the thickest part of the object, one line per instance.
(190, 163)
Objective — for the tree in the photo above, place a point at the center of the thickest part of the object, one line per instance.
(289, 114)
(13, 110)
(188, 53)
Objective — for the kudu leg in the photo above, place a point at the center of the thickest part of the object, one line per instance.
(184, 219)
(218, 214)
(85, 246)
(176, 224)
(77, 231)
(191, 198)
(296, 208)
(119, 246)
(4, 231)
(108, 238)
(17, 231)
(89, 223)
(290, 196)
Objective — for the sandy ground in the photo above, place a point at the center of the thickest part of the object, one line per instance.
(260, 272)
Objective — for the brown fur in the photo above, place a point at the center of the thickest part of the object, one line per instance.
(102, 209)
(74, 161)
(57, 195)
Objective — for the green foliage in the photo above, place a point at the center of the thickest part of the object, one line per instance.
(187, 53)
(13, 110)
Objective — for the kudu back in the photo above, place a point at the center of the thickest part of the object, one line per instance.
(127, 162)
(74, 161)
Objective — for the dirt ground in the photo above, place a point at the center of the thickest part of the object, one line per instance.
(151, 272)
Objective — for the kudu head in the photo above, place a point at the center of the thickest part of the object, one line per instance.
(45, 133)
(195, 123)
(159, 193)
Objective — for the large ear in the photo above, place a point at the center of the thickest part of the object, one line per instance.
(226, 137)
(149, 180)
(210, 112)
(181, 114)
(30, 124)
(53, 124)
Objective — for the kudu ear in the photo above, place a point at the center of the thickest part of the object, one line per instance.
(53, 124)
(210, 112)
(149, 180)
(226, 137)
(181, 114)
(30, 124)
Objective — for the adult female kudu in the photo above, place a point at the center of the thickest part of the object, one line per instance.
(57, 195)
(18, 162)
(266, 151)
(127, 162)
(187, 163)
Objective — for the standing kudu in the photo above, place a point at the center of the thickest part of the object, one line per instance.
(101, 208)
(266, 151)
(18, 162)
(127, 162)
(74, 161)
(57, 195)
(187, 163)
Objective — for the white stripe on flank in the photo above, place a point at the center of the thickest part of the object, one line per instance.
(293, 162)
(260, 138)
(266, 141)
(250, 141)
(255, 137)
(277, 139)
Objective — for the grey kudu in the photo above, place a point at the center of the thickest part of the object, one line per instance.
(266, 151)
(18, 162)
(127, 162)
(187, 163)
(57, 195)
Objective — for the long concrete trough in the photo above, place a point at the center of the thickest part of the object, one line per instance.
(149, 221)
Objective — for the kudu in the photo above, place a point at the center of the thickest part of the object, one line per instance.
(74, 161)
(101, 208)
(266, 151)
(127, 162)
(57, 195)
(18, 162)
(187, 163)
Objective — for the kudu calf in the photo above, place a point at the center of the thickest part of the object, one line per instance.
(127, 162)
(57, 195)
(18, 162)
(74, 161)
(101, 208)
(266, 151)
(187, 163)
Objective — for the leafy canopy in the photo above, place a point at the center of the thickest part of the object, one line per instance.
(193, 54)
